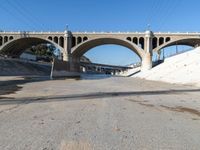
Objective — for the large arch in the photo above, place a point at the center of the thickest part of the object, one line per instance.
(16, 47)
(184, 41)
(79, 50)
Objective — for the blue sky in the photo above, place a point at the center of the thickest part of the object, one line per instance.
(101, 15)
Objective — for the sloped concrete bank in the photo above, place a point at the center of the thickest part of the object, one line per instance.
(180, 69)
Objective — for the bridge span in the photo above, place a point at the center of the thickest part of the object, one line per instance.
(74, 44)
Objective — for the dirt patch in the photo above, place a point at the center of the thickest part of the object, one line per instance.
(182, 109)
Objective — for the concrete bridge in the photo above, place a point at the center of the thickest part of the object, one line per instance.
(74, 44)
(103, 68)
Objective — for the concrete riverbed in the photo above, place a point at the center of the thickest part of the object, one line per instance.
(101, 113)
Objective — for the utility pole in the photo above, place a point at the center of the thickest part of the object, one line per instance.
(163, 53)
(176, 48)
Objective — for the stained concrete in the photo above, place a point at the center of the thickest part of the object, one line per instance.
(101, 113)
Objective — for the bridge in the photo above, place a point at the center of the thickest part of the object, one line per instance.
(74, 44)
(103, 68)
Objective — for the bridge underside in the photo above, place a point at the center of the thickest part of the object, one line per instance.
(17, 47)
(78, 51)
(186, 42)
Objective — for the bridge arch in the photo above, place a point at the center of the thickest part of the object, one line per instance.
(193, 42)
(82, 48)
(16, 47)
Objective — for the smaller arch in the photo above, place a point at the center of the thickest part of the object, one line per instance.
(85, 38)
(1, 40)
(11, 38)
(5, 39)
(73, 41)
(161, 41)
(61, 41)
(167, 39)
(155, 42)
(50, 38)
(79, 40)
(55, 39)
(135, 40)
(141, 42)
(128, 38)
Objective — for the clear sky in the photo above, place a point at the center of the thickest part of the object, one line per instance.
(101, 15)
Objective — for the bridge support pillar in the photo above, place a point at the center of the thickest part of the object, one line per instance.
(67, 46)
(75, 65)
(68, 66)
(146, 62)
(147, 58)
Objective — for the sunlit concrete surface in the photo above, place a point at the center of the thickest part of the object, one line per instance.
(182, 68)
(97, 112)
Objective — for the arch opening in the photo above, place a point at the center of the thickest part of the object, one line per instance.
(172, 49)
(110, 59)
(167, 39)
(18, 46)
(79, 50)
(135, 40)
(73, 41)
(106, 44)
(154, 42)
(161, 41)
(141, 42)
(11, 38)
(79, 40)
(191, 42)
(5, 39)
(34, 53)
(85, 38)
(50, 38)
(55, 39)
(128, 38)
(61, 41)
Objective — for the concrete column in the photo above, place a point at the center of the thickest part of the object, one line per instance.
(158, 55)
(147, 58)
(74, 64)
(146, 62)
(67, 46)
(3, 40)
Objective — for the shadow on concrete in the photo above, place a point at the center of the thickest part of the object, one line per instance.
(11, 86)
(89, 96)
